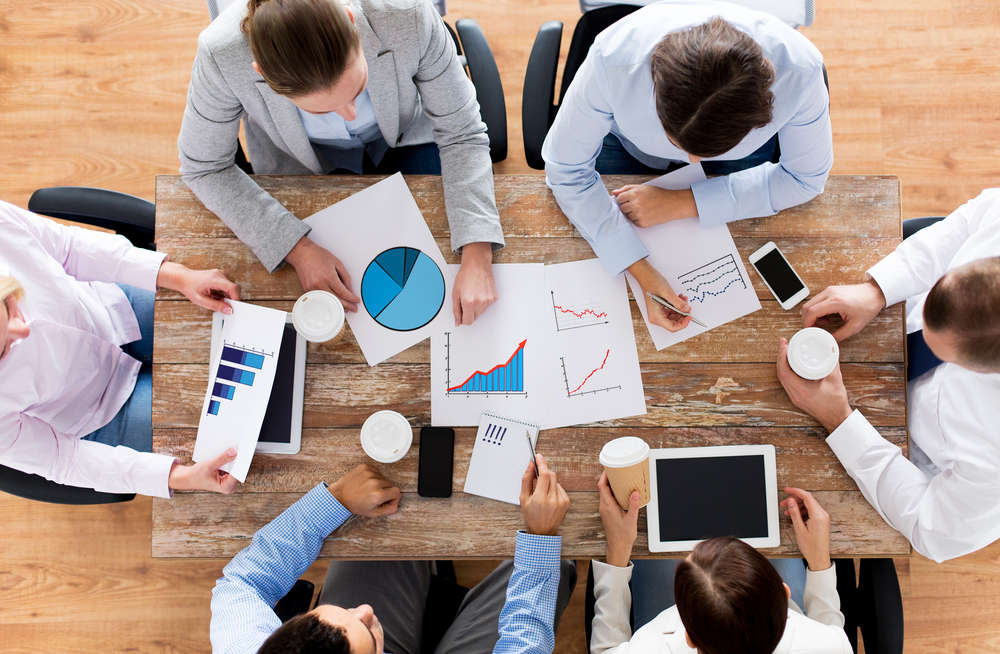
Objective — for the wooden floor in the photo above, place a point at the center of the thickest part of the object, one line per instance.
(92, 92)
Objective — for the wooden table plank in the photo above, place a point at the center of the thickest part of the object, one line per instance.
(695, 395)
(803, 458)
(183, 336)
(462, 526)
(527, 208)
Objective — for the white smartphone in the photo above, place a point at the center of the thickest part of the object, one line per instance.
(779, 276)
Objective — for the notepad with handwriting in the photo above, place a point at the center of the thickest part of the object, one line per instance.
(500, 457)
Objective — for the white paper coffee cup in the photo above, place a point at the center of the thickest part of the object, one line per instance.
(386, 436)
(813, 353)
(626, 462)
(318, 316)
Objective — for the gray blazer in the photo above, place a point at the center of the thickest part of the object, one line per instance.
(418, 88)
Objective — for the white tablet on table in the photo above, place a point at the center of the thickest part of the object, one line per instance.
(703, 492)
(281, 431)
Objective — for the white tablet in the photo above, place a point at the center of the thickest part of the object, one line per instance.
(281, 430)
(703, 492)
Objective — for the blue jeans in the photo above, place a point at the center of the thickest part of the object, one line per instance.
(614, 159)
(132, 426)
(653, 585)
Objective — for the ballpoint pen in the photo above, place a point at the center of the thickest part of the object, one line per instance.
(531, 447)
(659, 300)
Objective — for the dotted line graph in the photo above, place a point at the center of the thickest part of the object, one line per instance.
(730, 275)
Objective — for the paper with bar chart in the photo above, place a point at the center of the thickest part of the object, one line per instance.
(396, 266)
(703, 264)
(592, 346)
(496, 363)
(239, 385)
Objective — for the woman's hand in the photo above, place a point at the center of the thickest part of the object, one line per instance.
(620, 527)
(811, 524)
(647, 205)
(205, 476)
(206, 288)
(652, 281)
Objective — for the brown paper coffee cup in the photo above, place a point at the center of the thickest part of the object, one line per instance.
(626, 462)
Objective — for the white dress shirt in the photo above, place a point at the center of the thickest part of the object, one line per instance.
(613, 92)
(946, 498)
(820, 631)
(69, 377)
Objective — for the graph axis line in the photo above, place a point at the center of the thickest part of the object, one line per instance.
(561, 328)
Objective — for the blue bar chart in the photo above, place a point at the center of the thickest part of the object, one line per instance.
(233, 369)
(507, 377)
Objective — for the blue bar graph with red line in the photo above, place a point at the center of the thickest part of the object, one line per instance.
(506, 377)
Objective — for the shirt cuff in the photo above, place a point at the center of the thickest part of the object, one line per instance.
(154, 474)
(892, 278)
(604, 570)
(852, 439)
(822, 582)
(715, 203)
(323, 509)
(537, 552)
(140, 268)
(619, 248)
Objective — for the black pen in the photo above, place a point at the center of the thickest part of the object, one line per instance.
(531, 447)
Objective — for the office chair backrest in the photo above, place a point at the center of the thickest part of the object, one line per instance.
(587, 28)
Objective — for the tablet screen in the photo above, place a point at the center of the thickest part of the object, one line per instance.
(277, 419)
(706, 497)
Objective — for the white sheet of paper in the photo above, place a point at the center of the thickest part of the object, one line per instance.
(592, 346)
(484, 366)
(244, 370)
(499, 458)
(406, 299)
(703, 264)
(681, 178)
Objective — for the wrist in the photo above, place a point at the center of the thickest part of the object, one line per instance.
(298, 251)
(878, 293)
(831, 422)
(480, 253)
(171, 275)
(819, 563)
(618, 557)
(176, 478)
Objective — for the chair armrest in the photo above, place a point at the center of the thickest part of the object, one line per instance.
(913, 225)
(538, 97)
(40, 489)
(132, 217)
(296, 601)
(489, 90)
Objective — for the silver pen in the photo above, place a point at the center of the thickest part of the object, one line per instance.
(659, 300)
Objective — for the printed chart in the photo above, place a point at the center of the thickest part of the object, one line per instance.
(575, 317)
(504, 378)
(712, 279)
(230, 372)
(592, 383)
(402, 289)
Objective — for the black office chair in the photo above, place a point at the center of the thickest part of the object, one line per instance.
(134, 219)
(873, 604)
(538, 105)
(443, 600)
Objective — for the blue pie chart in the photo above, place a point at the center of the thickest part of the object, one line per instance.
(402, 289)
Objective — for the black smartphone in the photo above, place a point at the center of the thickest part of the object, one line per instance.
(437, 454)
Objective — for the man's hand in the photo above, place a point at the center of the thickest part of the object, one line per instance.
(620, 527)
(811, 524)
(364, 491)
(474, 289)
(651, 280)
(318, 270)
(206, 288)
(647, 205)
(543, 501)
(856, 304)
(205, 476)
(824, 399)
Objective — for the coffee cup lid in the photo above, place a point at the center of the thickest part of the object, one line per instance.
(386, 436)
(813, 353)
(318, 316)
(623, 452)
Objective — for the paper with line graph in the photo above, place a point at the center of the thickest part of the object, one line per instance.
(703, 264)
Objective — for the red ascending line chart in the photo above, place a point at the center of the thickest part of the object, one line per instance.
(505, 378)
(590, 383)
(574, 317)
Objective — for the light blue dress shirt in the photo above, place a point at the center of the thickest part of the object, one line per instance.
(613, 93)
(262, 573)
(342, 143)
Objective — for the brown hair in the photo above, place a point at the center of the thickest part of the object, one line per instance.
(306, 633)
(966, 303)
(730, 598)
(712, 86)
(300, 46)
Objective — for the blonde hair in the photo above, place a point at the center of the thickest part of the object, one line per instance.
(10, 287)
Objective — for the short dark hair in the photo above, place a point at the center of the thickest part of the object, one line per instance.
(965, 302)
(712, 84)
(300, 46)
(730, 598)
(306, 633)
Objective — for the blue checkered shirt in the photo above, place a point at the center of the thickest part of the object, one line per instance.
(262, 573)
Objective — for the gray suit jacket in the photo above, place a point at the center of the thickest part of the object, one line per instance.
(418, 88)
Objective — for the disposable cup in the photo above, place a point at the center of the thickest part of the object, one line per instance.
(386, 436)
(626, 462)
(813, 353)
(318, 316)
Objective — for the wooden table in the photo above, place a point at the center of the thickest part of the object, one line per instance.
(719, 388)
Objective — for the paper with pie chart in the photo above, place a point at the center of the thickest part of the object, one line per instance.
(396, 266)
(556, 349)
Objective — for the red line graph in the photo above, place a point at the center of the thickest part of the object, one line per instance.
(581, 314)
(591, 373)
(496, 367)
